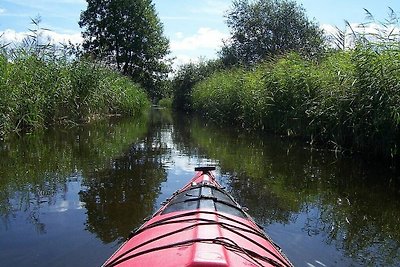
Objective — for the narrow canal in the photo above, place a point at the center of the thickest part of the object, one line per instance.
(69, 197)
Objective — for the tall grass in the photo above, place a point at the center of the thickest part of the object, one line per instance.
(376, 113)
(41, 85)
(349, 100)
(165, 102)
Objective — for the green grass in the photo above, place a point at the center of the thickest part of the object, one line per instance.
(186, 77)
(39, 88)
(349, 100)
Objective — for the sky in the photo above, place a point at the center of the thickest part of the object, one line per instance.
(195, 28)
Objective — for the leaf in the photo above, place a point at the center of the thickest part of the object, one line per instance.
(369, 15)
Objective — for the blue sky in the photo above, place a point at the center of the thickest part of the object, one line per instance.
(195, 27)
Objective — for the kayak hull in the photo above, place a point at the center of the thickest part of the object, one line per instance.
(200, 225)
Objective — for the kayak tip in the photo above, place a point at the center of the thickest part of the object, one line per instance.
(204, 169)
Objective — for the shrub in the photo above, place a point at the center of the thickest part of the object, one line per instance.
(184, 80)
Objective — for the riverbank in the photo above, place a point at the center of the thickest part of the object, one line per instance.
(349, 100)
(41, 88)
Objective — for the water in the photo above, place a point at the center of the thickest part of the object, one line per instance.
(69, 197)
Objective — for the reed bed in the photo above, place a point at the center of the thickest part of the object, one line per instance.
(349, 100)
(40, 86)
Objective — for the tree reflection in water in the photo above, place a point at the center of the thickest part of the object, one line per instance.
(349, 204)
(118, 198)
(314, 204)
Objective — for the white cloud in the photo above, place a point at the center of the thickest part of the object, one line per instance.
(11, 36)
(184, 59)
(179, 35)
(2, 10)
(329, 29)
(64, 38)
(202, 45)
(371, 31)
(204, 38)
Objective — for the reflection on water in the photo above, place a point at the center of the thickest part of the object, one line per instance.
(320, 208)
(117, 198)
(70, 196)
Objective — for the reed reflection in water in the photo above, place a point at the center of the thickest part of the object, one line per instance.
(70, 196)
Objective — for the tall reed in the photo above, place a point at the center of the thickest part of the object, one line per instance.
(350, 100)
(41, 85)
(377, 101)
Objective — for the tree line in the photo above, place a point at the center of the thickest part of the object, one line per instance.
(331, 94)
(276, 72)
(128, 35)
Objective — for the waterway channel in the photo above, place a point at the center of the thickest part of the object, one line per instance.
(70, 196)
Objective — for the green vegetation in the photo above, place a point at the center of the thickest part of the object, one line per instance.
(271, 75)
(350, 99)
(186, 77)
(128, 35)
(250, 44)
(41, 85)
(346, 98)
(165, 102)
(264, 28)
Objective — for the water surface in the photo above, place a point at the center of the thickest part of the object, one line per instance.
(69, 197)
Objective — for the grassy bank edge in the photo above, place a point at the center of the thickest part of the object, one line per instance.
(350, 100)
(37, 91)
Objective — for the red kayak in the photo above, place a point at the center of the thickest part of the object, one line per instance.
(200, 225)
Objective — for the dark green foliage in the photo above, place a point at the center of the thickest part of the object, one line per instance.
(290, 91)
(186, 77)
(221, 96)
(261, 29)
(128, 35)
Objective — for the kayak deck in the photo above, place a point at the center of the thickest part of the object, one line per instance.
(200, 225)
(203, 197)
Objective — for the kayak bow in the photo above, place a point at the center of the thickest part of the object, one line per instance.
(200, 225)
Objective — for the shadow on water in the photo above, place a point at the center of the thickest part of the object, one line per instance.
(84, 189)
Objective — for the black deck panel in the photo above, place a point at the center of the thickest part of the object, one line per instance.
(204, 197)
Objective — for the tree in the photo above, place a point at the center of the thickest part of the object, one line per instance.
(128, 35)
(264, 28)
